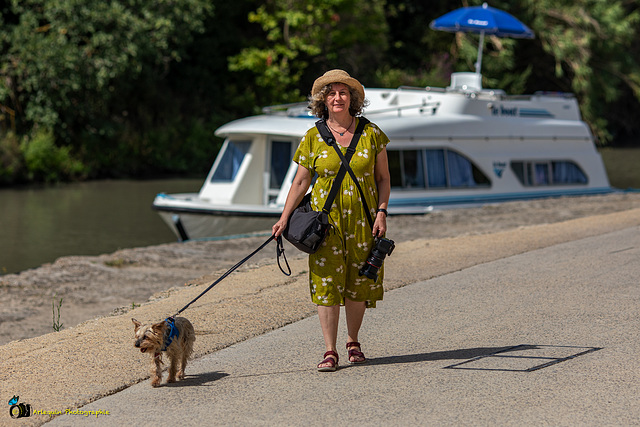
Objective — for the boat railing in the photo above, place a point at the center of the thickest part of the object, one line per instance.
(291, 109)
(423, 88)
(492, 93)
(300, 109)
(429, 107)
(471, 93)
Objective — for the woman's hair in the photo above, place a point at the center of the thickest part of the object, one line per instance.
(319, 109)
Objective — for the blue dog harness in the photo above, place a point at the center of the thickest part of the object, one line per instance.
(173, 333)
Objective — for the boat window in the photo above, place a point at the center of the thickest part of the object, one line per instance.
(280, 162)
(433, 168)
(541, 173)
(436, 169)
(568, 173)
(395, 170)
(231, 160)
(463, 173)
(407, 168)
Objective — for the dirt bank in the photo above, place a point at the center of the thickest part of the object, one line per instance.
(93, 286)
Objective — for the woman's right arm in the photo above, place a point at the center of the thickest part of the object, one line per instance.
(298, 189)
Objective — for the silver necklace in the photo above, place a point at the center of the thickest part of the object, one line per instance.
(345, 131)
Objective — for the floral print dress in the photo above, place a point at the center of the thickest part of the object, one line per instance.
(334, 268)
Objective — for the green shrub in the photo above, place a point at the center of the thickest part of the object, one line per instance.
(47, 162)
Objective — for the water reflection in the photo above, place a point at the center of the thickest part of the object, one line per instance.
(90, 218)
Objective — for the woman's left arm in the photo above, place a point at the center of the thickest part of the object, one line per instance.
(383, 181)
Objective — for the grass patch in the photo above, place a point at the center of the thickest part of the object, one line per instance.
(56, 314)
(622, 166)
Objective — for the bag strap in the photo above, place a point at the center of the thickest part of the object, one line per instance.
(355, 180)
(329, 139)
(327, 136)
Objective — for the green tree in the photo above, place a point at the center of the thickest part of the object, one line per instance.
(301, 40)
(417, 55)
(591, 44)
(61, 55)
(71, 65)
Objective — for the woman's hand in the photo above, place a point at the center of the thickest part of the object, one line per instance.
(279, 227)
(379, 225)
(299, 187)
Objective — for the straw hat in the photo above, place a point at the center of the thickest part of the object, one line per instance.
(337, 76)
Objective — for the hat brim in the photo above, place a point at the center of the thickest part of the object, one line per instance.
(325, 80)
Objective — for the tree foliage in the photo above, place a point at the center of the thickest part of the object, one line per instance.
(135, 88)
(75, 66)
(58, 55)
(303, 39)
(592, 45)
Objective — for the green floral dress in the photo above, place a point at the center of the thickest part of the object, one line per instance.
(334, 268)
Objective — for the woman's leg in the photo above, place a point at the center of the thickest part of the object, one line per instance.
(329, 318)
(354, 311)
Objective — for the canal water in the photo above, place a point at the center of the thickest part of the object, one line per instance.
(39, 225)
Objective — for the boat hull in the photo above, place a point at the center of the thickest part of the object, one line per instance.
(191, 218)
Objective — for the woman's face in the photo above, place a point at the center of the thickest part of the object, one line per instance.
(338, 99)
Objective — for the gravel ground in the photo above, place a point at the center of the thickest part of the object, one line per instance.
(56, 372)
(94, 286)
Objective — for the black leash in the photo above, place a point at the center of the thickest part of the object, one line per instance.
(279, 251)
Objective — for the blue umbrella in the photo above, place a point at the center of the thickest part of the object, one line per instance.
(483, 20)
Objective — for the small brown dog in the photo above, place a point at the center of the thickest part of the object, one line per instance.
(172, 336)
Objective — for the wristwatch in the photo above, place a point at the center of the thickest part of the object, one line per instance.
(384, 211)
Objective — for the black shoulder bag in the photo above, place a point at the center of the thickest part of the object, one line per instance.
(306, 228)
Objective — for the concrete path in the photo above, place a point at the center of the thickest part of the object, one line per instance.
(547, 337)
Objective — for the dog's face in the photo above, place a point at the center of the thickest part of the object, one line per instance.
(149, 337)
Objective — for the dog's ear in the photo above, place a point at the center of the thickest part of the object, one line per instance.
(160, 326)
(136, 323)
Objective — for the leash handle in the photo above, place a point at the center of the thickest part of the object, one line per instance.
(280, 251)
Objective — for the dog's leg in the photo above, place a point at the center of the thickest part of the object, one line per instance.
(183, 366)
(189, 338)
(156, 371)
(172, 368)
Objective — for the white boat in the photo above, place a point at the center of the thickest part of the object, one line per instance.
(453, 146)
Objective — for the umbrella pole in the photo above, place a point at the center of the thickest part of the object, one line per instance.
(480, 48)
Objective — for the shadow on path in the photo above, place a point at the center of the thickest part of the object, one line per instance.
(198, 379)
(461, 354)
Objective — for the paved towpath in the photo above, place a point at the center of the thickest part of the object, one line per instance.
(572, 307)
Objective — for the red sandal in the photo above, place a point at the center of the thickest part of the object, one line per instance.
(355, 353)
(327, 359)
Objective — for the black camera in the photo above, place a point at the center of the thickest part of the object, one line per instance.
(381, 248)
(20, 410)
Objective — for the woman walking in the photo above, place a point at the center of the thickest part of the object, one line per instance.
(334, 277)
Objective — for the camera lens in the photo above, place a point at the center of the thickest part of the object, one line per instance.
(382, 247)
(370, 271)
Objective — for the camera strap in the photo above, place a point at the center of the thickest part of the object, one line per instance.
(326, 134)
(355, 180)
(330, 140)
